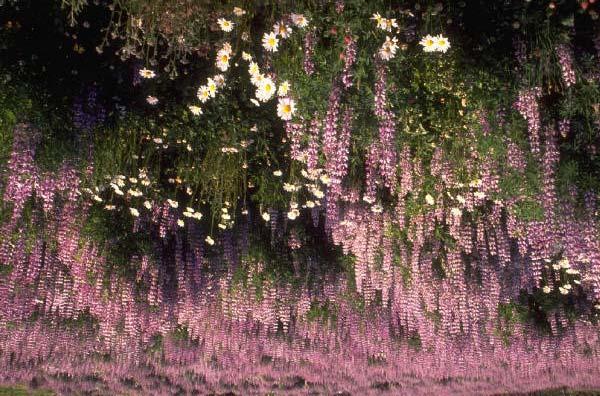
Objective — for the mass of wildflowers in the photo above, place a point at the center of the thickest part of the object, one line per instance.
(315, 198)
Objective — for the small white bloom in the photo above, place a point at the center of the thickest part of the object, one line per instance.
(152, 100)
(546, 289)
(222, 61)
(428, 43)
(282, 29)
(325, 179)
(211, 84)
(253, 69)
(180, 222)
(293, 214)
(441, 43)
(237, 11)
(318, 193)
(479, 194)
(225, 25)
(369, 200)
(246, 56)
(266, 216)
(389, 48)
(429, 199)
(562, 290)
(147, 205)
(147, 73)
(270, 41)
(299, 20)
(376, 208)
(134, 212)
(456, 212)
(219, 79)
(266, 90)
(203, 94)
(277, 173)
(173, 204)
(286, 108)
(209, 240)
(284, 88)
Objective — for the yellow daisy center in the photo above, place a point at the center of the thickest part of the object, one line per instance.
(287, 108)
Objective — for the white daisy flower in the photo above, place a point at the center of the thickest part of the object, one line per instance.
(180, 222)
(441, 43)
(266, 216)
(546, 289)
(219, 79)
(284, 88)
(225, 25)
(299, 20)
(173, 204)
(389, 48)
(151, 100)
(222, 60)
(246, 56)
(253, 69)
(134, 212)
(212, 87)
(282, 29)
(293, 214)
(429, 44)
(286, 108)
(195, 110)
(147, 205)
(270, 41)
(237, 11)
(203, 94)
(266, 90)
(147, 73)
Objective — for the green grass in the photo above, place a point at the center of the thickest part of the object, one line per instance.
(21, 390)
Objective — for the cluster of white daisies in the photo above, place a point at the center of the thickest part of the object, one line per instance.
(437, 43)
(316, 180)
(208, 91)
(389, 48)
(270, 41)
(266, 89)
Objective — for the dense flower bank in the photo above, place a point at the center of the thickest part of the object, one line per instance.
(344, 198)
(236, 340)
